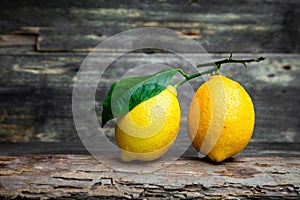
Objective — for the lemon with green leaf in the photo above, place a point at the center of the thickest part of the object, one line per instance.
(220, 118)
(148, 115)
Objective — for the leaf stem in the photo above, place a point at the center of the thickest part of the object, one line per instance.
(216, 67)
(182, 72)
(189, 77)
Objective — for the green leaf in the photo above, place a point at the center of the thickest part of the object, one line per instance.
(107, 113)
(123, 96)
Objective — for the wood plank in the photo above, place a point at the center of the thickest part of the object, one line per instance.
(239, 26)
(17, 40)
(254, 149)
(36, 105)
(79, 176)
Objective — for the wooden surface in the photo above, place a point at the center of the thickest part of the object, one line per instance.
(262, 170)
(36, 100)
(42, 45)
(74, 176)
(254, 149)
(262, 26)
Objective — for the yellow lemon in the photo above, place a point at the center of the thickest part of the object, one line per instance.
(149, 129)
(221, 118)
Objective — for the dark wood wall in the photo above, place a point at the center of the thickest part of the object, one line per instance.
(42, 44)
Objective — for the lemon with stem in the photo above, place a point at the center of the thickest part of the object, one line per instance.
(220, 119)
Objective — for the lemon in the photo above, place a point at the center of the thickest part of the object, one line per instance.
(149, 129)
(221, 118)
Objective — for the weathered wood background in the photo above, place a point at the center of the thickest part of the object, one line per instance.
(43, 43)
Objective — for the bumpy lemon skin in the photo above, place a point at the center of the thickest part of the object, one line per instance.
(232, 107)
(145, 142)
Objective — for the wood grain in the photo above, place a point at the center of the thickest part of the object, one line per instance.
(17, 40)
(239, 26)
(74, 176)
(254, 149)
(36, 92)
(42, 46)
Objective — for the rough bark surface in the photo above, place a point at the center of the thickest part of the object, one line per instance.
(80, 176)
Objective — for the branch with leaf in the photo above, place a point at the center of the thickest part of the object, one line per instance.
(129, 92)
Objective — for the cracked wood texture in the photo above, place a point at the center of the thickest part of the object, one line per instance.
(42, 45)
(78, 176)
